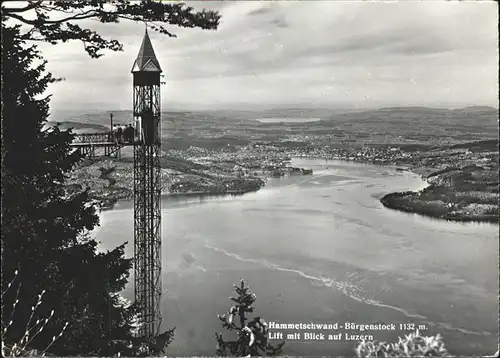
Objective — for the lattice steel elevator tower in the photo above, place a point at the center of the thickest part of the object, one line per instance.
(147, 187)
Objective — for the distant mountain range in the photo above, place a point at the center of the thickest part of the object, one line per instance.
(477, 109)
(479, 119)
(79, 127)
(432, 109)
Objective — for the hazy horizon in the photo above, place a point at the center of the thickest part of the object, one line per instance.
(328, 54)
(271, 108)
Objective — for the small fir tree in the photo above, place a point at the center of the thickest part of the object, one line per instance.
(251, 335)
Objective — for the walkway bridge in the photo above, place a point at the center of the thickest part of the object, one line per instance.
(98, 144)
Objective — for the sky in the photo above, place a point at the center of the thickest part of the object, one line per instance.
(338, 54)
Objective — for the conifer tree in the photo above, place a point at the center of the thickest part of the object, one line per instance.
(250, 335)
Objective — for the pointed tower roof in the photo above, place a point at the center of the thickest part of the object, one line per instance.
(146, 60)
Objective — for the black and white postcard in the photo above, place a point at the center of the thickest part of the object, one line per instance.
(250, 178)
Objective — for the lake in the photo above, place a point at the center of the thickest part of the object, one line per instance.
(322, 249)
(288, 120)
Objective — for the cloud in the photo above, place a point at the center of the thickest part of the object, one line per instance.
(329, 52)
(259, 11)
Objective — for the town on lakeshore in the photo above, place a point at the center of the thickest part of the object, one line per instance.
(207, 154)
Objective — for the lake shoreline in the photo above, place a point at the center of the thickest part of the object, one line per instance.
(114, 189)
(197, 194)
(201, 194)
(449, 198)
(462, 182)
(400, 201)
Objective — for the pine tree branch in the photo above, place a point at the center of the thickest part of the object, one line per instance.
(40, 22)
(32, 5)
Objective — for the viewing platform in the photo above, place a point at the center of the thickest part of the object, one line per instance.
(100, 144)
(106, 144)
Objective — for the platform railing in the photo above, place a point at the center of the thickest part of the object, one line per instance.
(102, 137)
